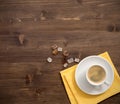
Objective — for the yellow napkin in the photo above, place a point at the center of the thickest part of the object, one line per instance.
(76, 96)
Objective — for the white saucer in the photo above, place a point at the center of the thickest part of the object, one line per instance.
(80, 75)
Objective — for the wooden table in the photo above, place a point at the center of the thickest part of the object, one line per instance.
(87, 26)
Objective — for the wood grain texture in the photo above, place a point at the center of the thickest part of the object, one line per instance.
(89, 26)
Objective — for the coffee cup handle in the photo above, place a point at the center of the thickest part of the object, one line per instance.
(106, 83)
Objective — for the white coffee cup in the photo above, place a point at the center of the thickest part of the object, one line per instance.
(96, 75)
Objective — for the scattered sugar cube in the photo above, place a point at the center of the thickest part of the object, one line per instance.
(54, 46)
(70, 60)
(65, 65)
(49, 59)
(18, 19)
(77, 60)
(65, 53)
(55, 52)
(60, 49)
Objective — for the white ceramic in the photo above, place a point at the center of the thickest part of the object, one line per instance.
(81, 70)
(97, 84)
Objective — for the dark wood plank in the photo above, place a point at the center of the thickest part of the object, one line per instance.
(89, 26)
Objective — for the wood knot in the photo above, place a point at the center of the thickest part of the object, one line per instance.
(29, 78)
(43, 15)
(21, 38)
(79, 1)
(113, 28)
(38, 91)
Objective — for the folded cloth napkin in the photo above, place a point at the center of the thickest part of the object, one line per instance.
(76, 96)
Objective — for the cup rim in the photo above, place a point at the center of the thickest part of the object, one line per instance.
(91, 82)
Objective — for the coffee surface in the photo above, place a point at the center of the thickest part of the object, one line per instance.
(96, 74)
